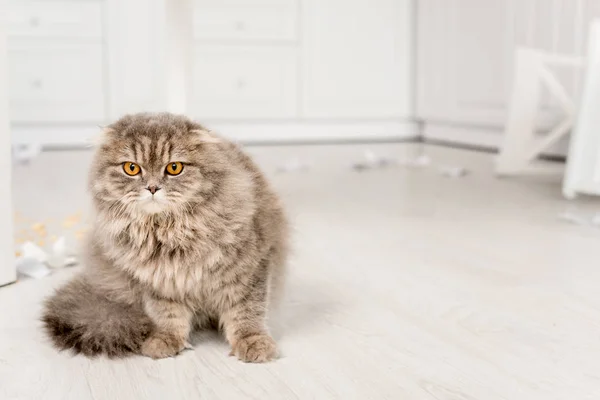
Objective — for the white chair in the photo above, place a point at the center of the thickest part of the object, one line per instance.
(583, 163)
(522, 144)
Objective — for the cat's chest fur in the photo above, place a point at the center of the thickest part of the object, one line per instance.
(174, 257)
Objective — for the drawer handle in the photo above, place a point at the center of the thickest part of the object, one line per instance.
(240, 26)
(37, 83)
(34, 22)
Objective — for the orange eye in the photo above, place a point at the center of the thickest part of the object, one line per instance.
(174, 168)
(131, 169)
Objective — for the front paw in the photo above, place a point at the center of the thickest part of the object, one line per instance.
(160, 345)
(255, 349)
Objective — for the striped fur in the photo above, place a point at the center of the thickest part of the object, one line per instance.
(210, 245)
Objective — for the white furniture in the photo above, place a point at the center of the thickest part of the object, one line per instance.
(56, 62)
(522, 142)
(261, 70)
(583, 169)
(465, 58)
(7, 265)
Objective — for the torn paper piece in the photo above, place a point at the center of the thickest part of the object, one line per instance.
(379, 161)
(419, 162)
(32, 268)
(373, 161)
(453, 172)
(30, 250)
(294, 165)
(60, 256)
(60, 245)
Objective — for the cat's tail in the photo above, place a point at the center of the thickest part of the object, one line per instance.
(80, 318)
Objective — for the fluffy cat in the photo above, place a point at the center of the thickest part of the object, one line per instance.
(187, 233)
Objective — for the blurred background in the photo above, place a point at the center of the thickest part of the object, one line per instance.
(343, 70)
(424, 148)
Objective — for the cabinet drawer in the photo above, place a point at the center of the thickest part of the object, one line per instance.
(245, 22)
(30, 18)
(53, 83)
(232, 82)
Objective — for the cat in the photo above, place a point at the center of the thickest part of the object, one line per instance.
(187, 233)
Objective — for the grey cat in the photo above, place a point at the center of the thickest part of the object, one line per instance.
(187, 232)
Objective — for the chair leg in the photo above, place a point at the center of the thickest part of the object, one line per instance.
(522, 113)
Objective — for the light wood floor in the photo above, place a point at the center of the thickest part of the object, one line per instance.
(403, 285)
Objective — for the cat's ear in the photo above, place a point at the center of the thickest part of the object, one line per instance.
(203, 136)
(100, 138)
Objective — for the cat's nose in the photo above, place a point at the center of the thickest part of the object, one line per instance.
(153, 189)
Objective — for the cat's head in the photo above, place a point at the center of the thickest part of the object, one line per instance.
(154, 163)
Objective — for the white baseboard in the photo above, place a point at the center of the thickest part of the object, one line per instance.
(485, 138)
(274, 132)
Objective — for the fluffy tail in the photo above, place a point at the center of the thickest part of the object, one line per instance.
(79, 318)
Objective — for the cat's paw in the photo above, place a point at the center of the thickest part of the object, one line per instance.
(163, 345)
(255, 349)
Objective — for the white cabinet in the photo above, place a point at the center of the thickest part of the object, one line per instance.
(55, 18)
(246, 21)
(305, 69)
(56, 61)
(244, 82)
(55, 82)
(245, 60)
(356, 58)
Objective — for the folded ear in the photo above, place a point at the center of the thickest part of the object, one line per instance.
(98, 139)
(204, 136)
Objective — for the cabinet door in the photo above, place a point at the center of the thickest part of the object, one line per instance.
(56, 82)
(244, 82)
(356, 58)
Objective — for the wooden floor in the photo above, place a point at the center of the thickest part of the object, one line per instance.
(404, 285)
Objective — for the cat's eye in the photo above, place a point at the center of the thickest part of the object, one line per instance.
(174, 168)
(131, 169)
